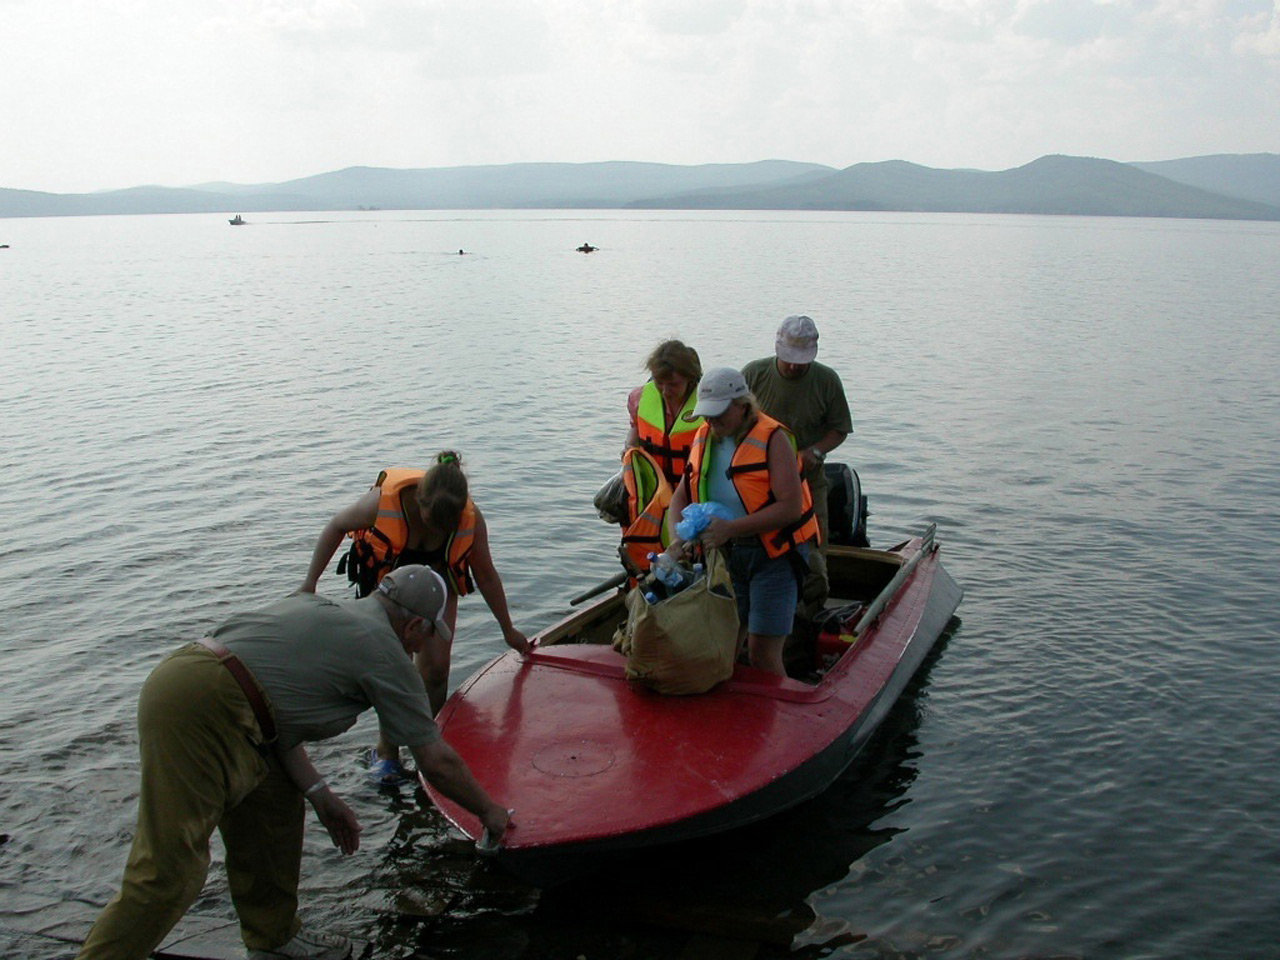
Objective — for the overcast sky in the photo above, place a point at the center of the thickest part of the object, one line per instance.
(99, 94)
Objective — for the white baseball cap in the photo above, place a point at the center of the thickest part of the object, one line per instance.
(716, 390)
(797, 340)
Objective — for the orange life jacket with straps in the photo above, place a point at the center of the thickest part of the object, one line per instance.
(749, 473)
(669, 447)
(376, 550)
(648, 495)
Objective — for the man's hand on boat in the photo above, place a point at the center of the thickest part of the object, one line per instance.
(440, 764)
(490, 841)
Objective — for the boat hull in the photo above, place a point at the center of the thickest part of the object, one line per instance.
(593, 764)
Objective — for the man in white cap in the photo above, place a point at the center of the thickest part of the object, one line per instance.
(222, 725)
(809, 399)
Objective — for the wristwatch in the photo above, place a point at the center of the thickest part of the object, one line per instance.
(818, 454)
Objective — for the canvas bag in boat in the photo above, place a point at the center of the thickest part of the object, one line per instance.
(686, 643)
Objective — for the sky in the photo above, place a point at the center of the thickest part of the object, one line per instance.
(105, 94)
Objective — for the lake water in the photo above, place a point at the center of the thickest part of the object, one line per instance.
(1087, 408)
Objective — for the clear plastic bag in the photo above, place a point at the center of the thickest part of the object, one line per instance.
(611, 500)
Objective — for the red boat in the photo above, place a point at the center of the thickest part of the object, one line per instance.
(593, 764)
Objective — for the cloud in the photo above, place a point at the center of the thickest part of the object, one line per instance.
(704, 18)
(1260, 35)
(116, 92)
(476, 38)
(1066, 22)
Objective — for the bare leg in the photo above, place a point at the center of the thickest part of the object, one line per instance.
(766, 653)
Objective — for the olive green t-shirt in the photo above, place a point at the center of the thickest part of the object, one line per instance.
(808, 406)
(324, 662)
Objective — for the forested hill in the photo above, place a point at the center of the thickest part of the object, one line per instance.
(1228, 187)
(1050, 185)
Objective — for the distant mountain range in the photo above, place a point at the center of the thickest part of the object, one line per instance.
(1221, 187)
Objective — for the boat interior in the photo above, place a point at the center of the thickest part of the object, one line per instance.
(859, 577)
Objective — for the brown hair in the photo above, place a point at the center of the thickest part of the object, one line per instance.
(442, 491)
(672, 356)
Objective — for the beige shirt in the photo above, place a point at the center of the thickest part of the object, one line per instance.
(324, 662)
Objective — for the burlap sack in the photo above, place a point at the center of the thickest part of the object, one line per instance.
(686, 643)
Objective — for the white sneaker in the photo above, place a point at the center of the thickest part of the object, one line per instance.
(308, 945)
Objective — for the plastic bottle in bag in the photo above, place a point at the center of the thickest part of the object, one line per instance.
(668, 571)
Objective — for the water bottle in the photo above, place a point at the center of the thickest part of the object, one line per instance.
(665, 570)
(672, 574)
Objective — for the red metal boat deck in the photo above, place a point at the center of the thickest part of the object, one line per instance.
(587, 758)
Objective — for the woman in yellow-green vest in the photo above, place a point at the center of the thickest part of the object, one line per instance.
(658, 408)
(417, 516)
(746, 461)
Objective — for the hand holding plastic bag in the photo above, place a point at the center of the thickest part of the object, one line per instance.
(698, 516)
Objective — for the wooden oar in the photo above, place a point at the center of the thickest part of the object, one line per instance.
(617, 580)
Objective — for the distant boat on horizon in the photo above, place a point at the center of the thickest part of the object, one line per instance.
(236, 221)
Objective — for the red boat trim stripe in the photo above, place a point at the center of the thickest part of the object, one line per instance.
(770, 687)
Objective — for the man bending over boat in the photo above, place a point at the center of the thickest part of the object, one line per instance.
(222, 725)
(746, 461)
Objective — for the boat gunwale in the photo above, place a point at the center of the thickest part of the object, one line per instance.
(746, 680)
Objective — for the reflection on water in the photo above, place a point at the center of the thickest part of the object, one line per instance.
(764, 883)
(1085, 407)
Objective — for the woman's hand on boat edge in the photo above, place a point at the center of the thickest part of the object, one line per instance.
(517, 641)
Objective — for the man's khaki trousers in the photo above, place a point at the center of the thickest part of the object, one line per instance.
(201, 771)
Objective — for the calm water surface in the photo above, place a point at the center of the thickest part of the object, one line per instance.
(1086, 407)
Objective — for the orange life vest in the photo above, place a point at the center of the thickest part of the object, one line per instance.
(670, 448)
(648, 496)
(375, 551)
(749, 473)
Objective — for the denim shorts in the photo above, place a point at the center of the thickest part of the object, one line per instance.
(765, 587)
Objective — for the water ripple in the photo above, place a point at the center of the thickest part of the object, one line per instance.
(1086, 769)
